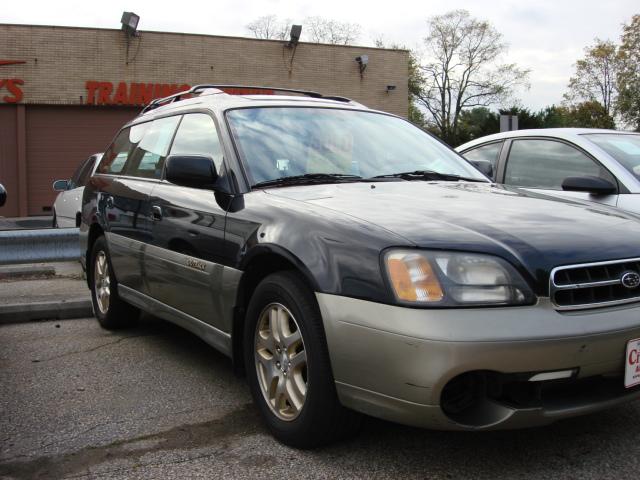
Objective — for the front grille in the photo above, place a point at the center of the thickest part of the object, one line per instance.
(594, 285)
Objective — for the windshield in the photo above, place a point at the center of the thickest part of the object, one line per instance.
(286, 141)
(625, 148)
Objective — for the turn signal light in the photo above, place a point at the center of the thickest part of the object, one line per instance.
(413, 278)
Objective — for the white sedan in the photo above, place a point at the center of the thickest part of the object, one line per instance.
(600, 166)
(66, 208)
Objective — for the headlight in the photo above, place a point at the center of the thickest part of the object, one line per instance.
(449, 279)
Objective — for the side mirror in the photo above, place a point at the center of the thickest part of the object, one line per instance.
(191, 171)
(484, 166)
(589, 184)
(61, 185)
(3, 195)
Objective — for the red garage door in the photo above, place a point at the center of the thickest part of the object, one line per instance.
(8, 156)
(58, 138)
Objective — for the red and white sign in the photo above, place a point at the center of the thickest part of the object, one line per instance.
(125, 93)
(11, 88)
(632, 368)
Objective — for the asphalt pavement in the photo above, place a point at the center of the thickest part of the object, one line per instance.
(156, 402)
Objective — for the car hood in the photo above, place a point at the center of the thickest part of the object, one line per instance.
(534, 230)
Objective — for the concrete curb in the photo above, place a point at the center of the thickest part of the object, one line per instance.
(14, 272)
(60, 310)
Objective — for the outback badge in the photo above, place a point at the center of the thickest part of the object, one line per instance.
(197, 264)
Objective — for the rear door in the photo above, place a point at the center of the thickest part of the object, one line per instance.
(183, 264)
(135, 160)
(542, 164)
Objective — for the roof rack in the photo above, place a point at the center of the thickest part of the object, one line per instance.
(198, 89)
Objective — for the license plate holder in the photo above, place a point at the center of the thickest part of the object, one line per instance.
(632, 364)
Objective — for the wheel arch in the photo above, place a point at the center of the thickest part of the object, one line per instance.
(95, 231)
(261, 262)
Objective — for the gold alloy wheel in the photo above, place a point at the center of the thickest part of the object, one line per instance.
(281, 361)
(102, 282)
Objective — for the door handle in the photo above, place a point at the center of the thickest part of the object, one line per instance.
(156, 213)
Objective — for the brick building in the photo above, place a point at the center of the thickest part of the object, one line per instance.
(65, 91)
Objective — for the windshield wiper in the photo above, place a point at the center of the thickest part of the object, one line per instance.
(307, 178)
(429, 175)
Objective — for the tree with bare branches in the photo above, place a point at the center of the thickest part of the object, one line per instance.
(595, 76)
(461, 70)
(325, 30)
(628, 105)
(314, 29)
(270, 27)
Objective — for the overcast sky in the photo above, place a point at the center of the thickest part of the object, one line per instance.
(546, 36)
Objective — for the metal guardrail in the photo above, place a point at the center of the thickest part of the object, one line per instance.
(37, 246)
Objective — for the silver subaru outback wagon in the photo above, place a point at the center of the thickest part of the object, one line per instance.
(351, 263)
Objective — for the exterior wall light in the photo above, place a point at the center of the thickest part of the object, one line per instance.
(294, 35)
(390, 88)
(130, 23)
(363, 61)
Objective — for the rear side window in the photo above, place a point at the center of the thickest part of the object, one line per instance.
(488, 153)
(197, 135)
(116, 156)
(148, 158)
(546, 163)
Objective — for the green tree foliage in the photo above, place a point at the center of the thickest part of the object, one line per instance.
(480, 121)
(595, 76)
(553, 117)
(462, 70)
(477, 122)
(628, 105)
(416, 81)
(526, 118)
(591, 114)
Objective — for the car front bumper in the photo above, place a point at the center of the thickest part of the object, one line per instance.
(401, 364)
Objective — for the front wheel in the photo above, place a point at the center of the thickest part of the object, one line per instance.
(288, 365)
(110, 310)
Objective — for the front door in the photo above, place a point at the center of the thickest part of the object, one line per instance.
(183, 264)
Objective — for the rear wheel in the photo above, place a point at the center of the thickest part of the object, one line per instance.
(54, 223)
(288, 365)
(110, 310)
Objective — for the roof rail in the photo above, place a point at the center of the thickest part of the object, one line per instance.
(198, 89)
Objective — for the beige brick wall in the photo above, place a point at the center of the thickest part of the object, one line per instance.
(60, 60)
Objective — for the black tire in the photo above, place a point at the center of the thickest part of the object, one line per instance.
(117, 314)
(321, 418)
(54, 223)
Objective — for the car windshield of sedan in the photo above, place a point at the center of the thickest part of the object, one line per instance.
(277, 142)
(624, 147)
